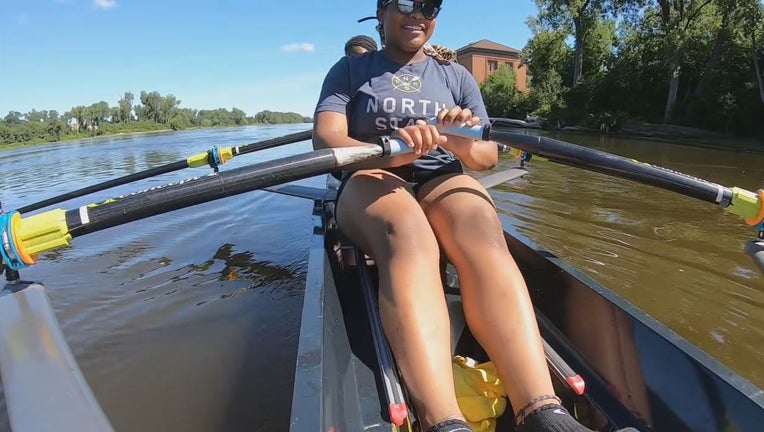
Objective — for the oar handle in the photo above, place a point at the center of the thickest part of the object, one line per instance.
(393, 146)
(473, 132)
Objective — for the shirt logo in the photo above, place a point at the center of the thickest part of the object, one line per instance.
(407, 83)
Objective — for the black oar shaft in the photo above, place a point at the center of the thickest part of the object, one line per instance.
(198, 190)
(274, 142)
(619, 166)
(175, 166)
(200, 159)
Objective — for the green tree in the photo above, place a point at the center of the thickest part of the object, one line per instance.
(501, 97)
(125, 106)
(13, 117)
(578, 16)
(152, 106)
(546, 53)
(676, 19)
(98, 112)
(239, 117)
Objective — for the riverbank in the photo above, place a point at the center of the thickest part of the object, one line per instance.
(678, 135)
(110, 135)
(79, 138)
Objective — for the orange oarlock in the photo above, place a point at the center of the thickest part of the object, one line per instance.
(760, 216)
(15, 226)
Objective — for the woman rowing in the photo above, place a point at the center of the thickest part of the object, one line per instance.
(403, 209)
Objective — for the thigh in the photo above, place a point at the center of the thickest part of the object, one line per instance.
(378, 212)
(462, 213)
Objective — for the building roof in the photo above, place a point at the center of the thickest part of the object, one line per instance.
(486, 45)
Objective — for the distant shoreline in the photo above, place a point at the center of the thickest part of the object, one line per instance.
(116, 134)
(674, 134)
(68, 139)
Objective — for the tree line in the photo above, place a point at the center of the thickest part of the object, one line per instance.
(688, 62)
(150, 112)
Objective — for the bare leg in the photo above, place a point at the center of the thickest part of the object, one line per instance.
(496, 301)
(377, 212)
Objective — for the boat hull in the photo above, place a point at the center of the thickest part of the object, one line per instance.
(337, 381)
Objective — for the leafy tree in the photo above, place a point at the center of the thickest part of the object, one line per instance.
(238, 116)
(546, 54)
(152, 109)
(270, 117)
(125, 108)
(98, 112)
(36, 116)
(13, 117)
(501, 97)
(578, 16)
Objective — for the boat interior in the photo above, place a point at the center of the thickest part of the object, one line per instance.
(339, 361)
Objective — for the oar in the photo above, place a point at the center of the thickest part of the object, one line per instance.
(736, 200)
(213, 158)
(24, 238)
(749, 205)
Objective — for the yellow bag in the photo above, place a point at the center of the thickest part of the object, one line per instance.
(480, 393)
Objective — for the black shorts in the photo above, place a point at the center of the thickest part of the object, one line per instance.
(413, 176)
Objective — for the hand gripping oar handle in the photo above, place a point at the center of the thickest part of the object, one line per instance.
(480, 133)
(213, 158)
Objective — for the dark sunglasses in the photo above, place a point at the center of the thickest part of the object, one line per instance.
(429, 8)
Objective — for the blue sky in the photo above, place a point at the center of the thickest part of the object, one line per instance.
(249, 54)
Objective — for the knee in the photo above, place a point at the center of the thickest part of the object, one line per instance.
(411, 239)
(475, 222)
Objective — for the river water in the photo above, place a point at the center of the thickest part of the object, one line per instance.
(190, 320)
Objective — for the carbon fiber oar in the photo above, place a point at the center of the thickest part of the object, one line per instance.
(737, 201)
(24, 238)
(213, 158)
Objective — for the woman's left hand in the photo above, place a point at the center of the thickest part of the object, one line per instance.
(457, 116)
(476, 155)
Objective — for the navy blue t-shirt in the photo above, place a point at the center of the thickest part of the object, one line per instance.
(379, 96)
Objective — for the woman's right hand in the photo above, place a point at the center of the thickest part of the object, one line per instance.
(422, 138)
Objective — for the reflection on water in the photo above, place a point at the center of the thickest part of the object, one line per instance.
(681, 260)
(189, 320)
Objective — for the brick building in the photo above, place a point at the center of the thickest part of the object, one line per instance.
(484, 56)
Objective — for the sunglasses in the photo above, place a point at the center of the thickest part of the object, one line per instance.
(428, 8)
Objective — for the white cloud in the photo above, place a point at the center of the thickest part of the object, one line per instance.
(307, 47)
(105, 4)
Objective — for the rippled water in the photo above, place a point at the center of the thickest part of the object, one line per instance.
(189, 320)
(679, 259)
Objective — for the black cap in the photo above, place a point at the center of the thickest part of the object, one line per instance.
(379, 5)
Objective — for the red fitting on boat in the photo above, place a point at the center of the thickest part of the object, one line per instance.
(577, 384)
(398, 413)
